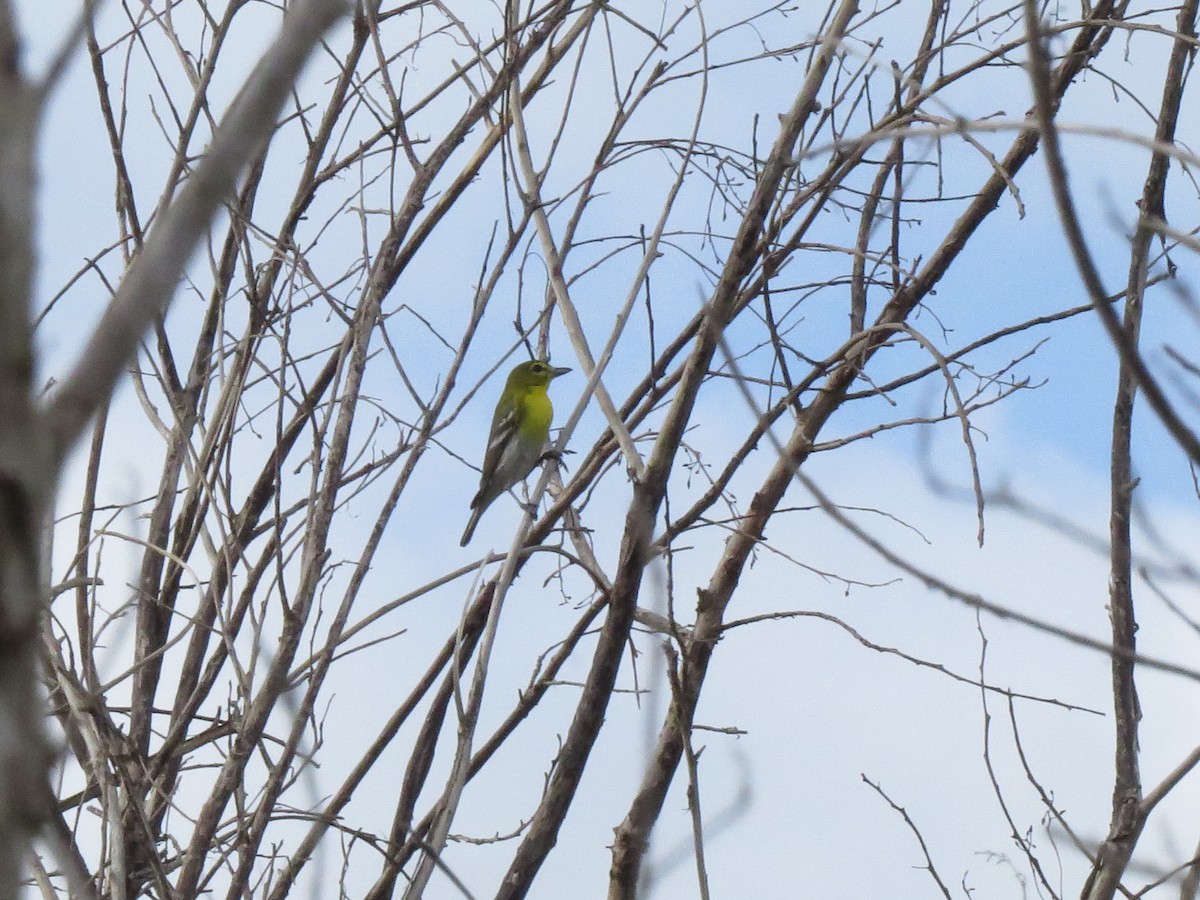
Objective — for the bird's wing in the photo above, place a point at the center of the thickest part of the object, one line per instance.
(504, 428)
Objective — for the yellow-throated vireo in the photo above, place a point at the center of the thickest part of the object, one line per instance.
(520, 429)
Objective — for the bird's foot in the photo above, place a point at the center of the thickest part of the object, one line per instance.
(556, 456)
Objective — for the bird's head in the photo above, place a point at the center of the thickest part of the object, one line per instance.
(535, 373)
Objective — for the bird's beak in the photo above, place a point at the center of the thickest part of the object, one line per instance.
(559, 370)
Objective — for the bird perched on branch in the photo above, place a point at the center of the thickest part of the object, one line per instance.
(520, 429)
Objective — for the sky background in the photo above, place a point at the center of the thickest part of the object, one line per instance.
(787, 808)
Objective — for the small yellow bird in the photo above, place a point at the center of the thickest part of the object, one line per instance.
(520, 429)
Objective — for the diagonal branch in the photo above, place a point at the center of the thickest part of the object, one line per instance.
(147, 289)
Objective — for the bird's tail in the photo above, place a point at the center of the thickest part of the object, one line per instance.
(476, 512)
